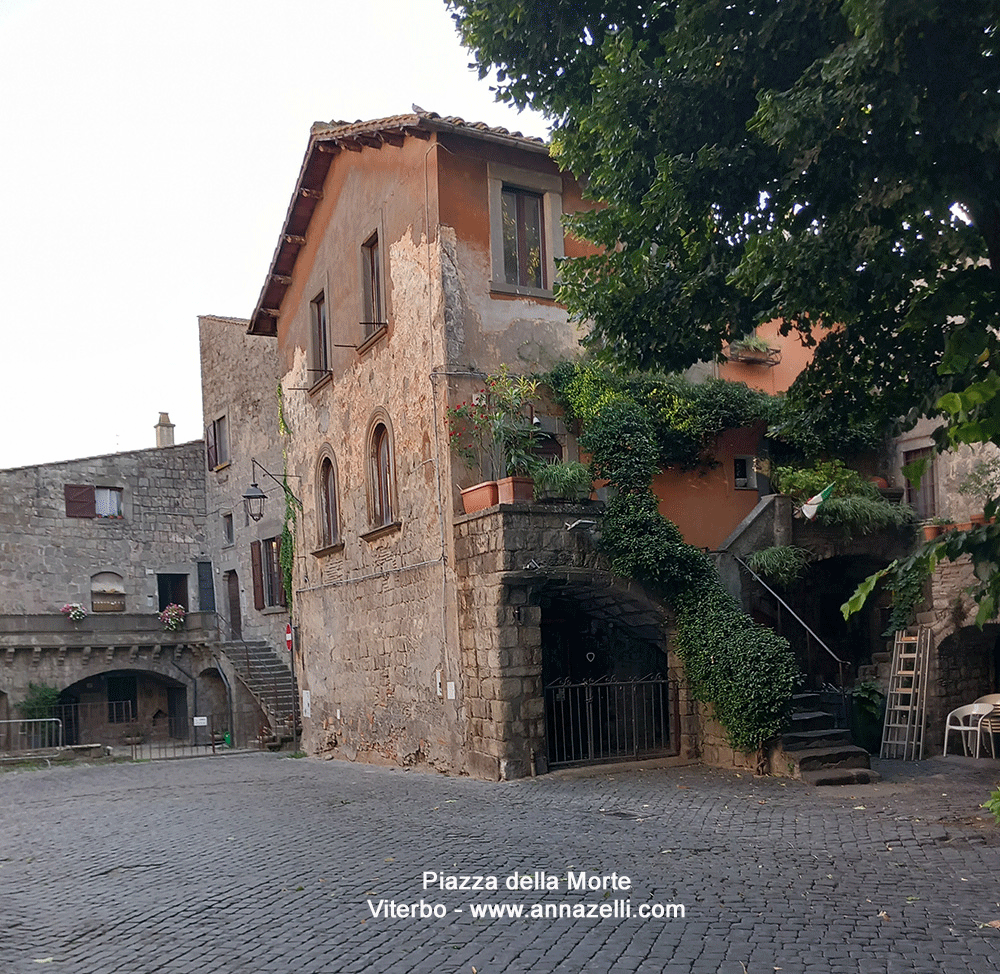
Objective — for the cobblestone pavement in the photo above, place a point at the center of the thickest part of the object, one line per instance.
(261, 863)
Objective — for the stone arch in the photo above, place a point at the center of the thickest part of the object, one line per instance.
(828, 582)
(963, 667)
(107, 592)
(115, 706)
(597, 680)
(212, 695)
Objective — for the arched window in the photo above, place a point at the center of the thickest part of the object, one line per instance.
(328, 513)
(381, 474)
(107, 592)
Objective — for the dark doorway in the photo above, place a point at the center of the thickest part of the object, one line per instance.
(172, 589)
(177, 712)
(123, 698)
(607, 696)
(233, 599)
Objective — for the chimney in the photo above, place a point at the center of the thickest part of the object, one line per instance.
(164, 431)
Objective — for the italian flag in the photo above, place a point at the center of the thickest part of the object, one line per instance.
(811, 506)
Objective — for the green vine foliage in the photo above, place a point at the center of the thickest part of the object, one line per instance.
(855, 505)
(683, 418)
(286, 546)
(745, 671)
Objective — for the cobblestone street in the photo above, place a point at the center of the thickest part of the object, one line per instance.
(261, 863)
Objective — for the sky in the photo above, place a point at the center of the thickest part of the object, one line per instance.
(149, 151)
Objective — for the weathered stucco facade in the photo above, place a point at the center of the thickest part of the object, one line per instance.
(388, 306)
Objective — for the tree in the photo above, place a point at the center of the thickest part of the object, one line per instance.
(833, 163)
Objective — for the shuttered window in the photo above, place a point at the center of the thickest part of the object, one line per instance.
(217, 443)
(80, 500)
(265, 563)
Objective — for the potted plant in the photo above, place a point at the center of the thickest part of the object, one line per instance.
(492, 432)
(983, 483)
(867, 706)
(750, 349)
(74, 611)
(172, 617)
(567, 480)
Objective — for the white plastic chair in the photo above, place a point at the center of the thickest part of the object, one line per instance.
(968, 721)
(992, 724)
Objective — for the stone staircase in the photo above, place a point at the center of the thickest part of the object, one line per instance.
(268, 677)
(819, 751)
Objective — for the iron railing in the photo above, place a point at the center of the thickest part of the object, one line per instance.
(32, 734)
(591, 721)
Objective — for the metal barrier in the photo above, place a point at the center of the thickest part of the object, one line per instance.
(610, 720)
(30, 734)
(117, 726)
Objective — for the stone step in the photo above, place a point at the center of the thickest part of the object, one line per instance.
(828, 737)
(841, 776)
(807, 720)
(826, 758)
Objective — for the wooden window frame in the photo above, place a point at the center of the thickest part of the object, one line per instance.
(327, 503)
(372, 286)
(268, 583)
(217, 443)
(320, 337)
(547, 188)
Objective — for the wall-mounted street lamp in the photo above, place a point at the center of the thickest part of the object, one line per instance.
(253, 499)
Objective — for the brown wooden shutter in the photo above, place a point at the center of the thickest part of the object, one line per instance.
(80, 500)
(258, 577)
(210, 447)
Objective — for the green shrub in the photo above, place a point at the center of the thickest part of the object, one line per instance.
(569, 479)
(40, 702)
(805, 482)
(783, 564)
(992, 804)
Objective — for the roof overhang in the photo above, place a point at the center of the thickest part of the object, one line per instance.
(329, 139)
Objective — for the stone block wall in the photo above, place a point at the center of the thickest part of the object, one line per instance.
(48, 558)
(962, 657)
(239, 384)
(507, 559)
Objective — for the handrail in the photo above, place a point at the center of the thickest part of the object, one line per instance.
(840, 663)
(21, 721)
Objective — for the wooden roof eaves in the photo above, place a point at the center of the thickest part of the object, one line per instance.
(325, 145)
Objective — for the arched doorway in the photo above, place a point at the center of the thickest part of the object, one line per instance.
(124, 706)
(605, 673)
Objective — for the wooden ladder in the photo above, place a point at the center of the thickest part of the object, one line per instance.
(906, 707)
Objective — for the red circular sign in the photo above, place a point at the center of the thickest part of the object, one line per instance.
(288, 636)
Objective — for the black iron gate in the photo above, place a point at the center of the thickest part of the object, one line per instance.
(605, 719)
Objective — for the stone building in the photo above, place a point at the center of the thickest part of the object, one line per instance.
(418, 255)
(122, 535)
(243, 445)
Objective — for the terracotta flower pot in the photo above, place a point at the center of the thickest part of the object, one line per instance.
(978, 519)
(480, 496)
(931, 531)
(512, 490)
